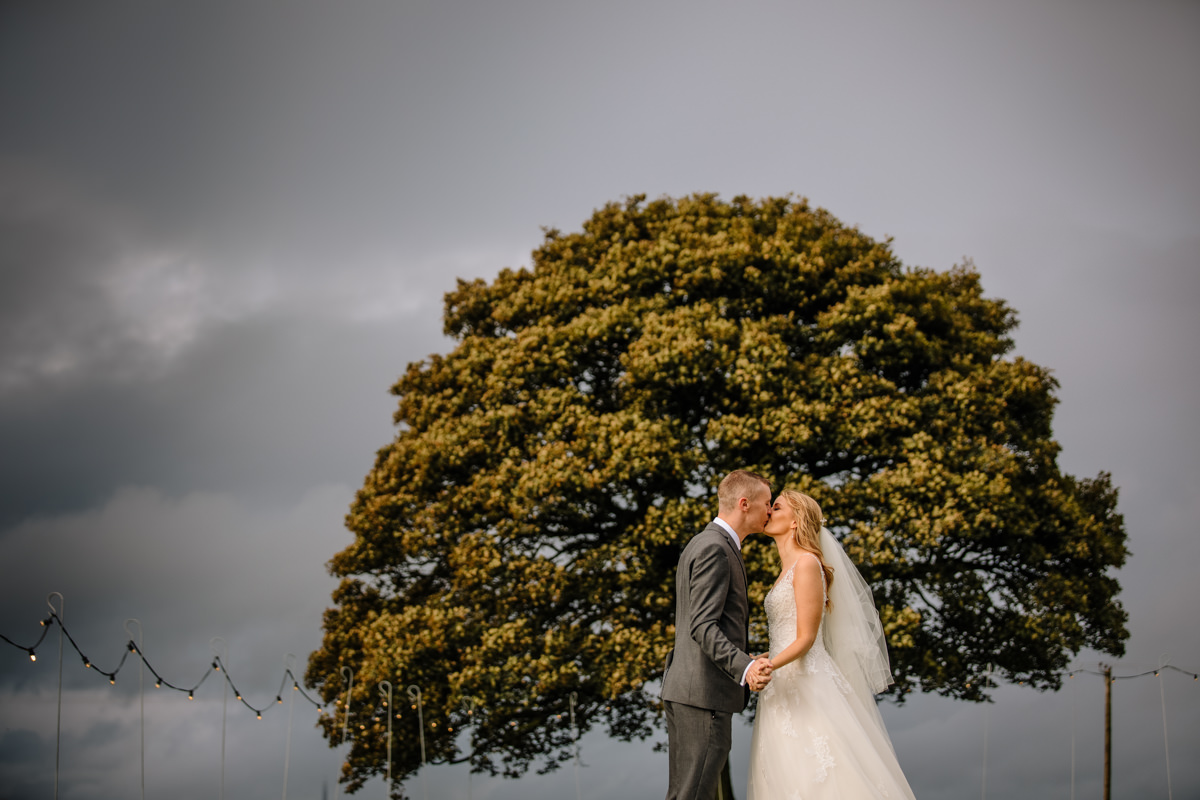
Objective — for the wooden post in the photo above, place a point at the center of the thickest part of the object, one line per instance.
(1107, 731)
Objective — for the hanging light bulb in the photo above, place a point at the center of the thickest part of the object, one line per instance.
(112, 680)
(158, 684)
(32, 655)
(216, 666)
(87, 663)
(190, 695)
(278, 699)
(259, 714)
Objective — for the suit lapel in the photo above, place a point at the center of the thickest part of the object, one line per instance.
(733, 547)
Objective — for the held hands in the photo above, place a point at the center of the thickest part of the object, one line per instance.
(760, 674)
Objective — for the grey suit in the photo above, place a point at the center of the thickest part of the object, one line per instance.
(702, 684)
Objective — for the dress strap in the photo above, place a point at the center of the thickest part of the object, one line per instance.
(824, 585)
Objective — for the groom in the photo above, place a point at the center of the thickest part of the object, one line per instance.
(709, 673)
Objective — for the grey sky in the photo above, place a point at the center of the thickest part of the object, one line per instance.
(225, 229)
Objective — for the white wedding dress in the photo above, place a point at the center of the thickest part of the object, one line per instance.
(814, 735)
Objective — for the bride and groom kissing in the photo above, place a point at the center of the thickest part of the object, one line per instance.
(817, 732)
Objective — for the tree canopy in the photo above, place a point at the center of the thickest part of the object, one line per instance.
(515, 545)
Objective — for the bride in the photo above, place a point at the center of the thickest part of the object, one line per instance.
(818, 733)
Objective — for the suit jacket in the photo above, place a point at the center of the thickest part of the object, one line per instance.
(712, 617)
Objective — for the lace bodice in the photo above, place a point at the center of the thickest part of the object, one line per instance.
(780, 604)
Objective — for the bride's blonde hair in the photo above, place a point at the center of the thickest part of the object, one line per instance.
(807, 535)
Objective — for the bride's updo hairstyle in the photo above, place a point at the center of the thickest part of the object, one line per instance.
(807, 535)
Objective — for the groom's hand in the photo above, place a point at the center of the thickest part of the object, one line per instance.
(759, 675)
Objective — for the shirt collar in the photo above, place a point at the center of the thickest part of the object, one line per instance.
(729, 529)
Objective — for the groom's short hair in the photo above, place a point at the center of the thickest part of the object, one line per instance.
(738, 484)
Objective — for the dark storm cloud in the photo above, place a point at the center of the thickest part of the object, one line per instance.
(256, 407)
(70, 283)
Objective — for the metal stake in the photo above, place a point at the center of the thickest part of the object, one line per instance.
(414, 694)
(385, 689)
(141, 691)
(575, 730)
(222, 652)
(62, 607)
(471, 706)
(288, 660)
(348, 677)
(1163, 660)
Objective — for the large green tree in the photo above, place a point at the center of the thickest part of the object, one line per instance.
(516, 543)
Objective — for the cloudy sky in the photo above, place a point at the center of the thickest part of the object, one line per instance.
(225, 229)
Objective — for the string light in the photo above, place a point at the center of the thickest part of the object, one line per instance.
(217, 666)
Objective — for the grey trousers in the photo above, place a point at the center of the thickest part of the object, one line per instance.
(698, 741)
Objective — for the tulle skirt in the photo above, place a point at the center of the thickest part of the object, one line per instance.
(815, 738)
